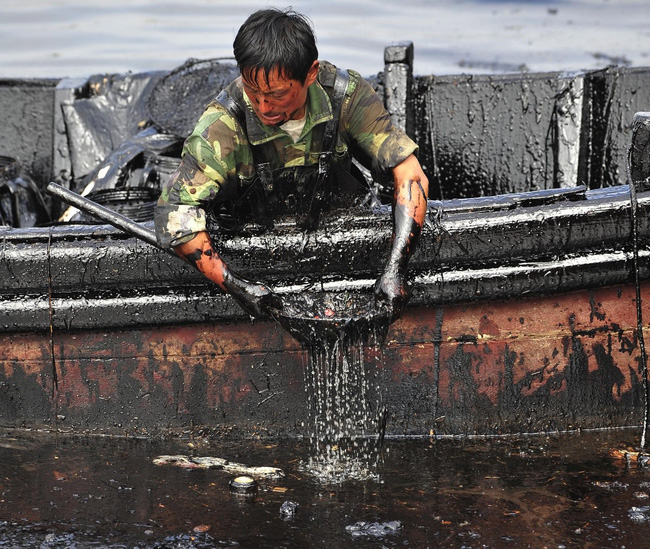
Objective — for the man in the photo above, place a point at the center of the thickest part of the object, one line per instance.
(278, 141)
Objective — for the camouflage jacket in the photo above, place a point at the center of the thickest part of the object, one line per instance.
(217, 162)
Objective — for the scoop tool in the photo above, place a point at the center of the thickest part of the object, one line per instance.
(314, 319)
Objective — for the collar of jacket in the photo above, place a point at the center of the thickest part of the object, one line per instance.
(318, 109)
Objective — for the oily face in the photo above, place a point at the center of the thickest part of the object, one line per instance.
(277, 99)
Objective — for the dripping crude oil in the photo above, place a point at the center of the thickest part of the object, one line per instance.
(343, 335)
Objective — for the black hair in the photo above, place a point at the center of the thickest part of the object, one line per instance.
(273, 38)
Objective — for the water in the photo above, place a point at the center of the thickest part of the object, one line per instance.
(77, 38)
(544, 491)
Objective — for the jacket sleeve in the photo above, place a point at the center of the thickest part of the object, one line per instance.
(370, 130)
(207, 172)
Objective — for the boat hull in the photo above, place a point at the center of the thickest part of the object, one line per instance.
(524, 312)
(535, 364)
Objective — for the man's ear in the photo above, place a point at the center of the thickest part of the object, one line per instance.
(312, 74)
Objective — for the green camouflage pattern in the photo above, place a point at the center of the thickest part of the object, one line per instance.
(217, 162)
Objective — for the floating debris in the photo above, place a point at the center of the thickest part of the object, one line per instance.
(631, 456)
(243, 486)
(639, 514)
(190, 462)
(374, 529)
(611, 485)
(288, 509)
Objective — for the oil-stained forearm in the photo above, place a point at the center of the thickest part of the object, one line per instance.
(409, 212)
(254, 297)
(200, 253)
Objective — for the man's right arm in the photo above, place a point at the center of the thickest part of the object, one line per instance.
(213, 157)
(180, 216)
(254, 297)
(200, 253)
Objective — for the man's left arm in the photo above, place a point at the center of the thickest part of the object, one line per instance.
(369, 127)
(409, 213)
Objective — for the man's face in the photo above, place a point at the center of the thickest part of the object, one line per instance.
(278, 99)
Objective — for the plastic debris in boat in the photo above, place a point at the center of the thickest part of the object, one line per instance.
(21, 203)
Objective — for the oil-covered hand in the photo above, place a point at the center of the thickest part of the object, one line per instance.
(409, 211)
(254, 297)
(391, 289)
(392, 292)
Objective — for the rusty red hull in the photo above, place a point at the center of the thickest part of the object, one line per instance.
(567, 361)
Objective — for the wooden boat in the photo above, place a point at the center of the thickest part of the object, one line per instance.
(531, 283)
